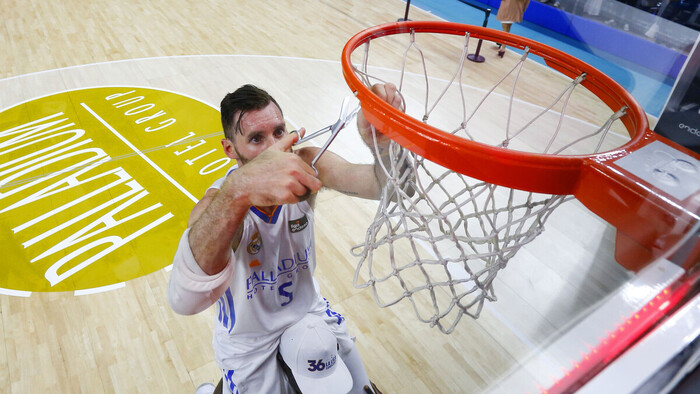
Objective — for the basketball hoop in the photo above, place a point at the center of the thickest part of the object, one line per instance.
(466, 189)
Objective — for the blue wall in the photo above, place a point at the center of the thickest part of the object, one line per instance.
(620, 43)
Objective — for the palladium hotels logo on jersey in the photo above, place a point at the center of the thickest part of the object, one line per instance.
(278, 279)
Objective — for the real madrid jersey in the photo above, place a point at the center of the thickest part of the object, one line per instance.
(271, 285)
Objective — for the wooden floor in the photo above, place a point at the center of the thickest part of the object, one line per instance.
(128, 340)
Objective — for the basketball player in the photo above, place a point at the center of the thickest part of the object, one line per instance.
(249, 247)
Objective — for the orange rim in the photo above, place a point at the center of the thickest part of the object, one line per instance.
(540, 173)
(647, 218)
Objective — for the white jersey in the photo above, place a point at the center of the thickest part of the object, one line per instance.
(271, 286)
(267, 286)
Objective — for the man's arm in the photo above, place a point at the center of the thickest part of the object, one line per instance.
(201, 206)
(359, 180)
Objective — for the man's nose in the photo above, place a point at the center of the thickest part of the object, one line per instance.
(270, 142)
(273, 140)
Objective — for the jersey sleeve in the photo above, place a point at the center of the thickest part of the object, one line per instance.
(217, 183)
(190, 289)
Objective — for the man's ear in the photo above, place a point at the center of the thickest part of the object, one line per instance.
(229, 150)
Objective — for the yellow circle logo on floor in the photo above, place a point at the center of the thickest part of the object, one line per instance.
(96, 185)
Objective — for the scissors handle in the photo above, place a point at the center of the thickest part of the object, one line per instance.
(314, 135)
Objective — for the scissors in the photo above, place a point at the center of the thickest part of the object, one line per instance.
(345, 115)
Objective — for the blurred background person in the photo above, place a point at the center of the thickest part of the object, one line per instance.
(511, 11)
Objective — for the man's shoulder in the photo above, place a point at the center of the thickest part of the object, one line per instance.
(303, 207)
(217, 183)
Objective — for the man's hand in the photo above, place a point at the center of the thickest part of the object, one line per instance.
(276, 176)
(391, 95)
(358, 180)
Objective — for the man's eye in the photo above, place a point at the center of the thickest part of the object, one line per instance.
(255, 140)
(279, 133)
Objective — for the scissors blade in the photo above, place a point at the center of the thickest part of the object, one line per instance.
(344, 117)
(335, 129)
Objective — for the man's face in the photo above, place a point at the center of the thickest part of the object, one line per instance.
(259, 130)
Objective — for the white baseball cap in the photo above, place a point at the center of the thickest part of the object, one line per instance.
(310, 349)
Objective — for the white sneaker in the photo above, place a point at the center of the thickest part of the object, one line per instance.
(205, 388)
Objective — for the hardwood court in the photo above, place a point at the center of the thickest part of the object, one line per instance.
(128, 340)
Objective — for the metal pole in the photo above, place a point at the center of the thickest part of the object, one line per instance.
(475, 57)
(405, 18)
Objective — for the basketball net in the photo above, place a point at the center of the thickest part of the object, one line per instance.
(439, 238)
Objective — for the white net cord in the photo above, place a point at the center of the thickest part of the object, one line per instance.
(480, 227)
(439, 238)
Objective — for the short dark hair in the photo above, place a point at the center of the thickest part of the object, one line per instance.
(244, 99)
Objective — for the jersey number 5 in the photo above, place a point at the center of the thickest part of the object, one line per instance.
(284, 293)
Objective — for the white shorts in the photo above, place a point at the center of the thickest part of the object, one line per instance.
(259, 370)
